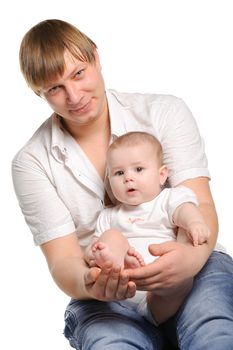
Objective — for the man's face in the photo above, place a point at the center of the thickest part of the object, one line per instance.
(79, 94)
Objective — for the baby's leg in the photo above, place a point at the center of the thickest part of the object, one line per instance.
(163, 307)
(112, 246)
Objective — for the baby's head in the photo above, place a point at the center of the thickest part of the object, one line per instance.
(135, 168)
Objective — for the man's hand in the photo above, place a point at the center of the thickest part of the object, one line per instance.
(109, 283)
(177, 262)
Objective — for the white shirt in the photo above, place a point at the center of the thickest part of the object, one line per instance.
(147, 223)
(60, 191)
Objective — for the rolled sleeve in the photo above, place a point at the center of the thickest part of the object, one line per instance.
(183, 146)
(44, 212)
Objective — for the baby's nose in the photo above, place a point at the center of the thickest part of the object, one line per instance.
(128, 178)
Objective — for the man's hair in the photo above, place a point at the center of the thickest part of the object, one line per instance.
(42, 50)
(135, 138)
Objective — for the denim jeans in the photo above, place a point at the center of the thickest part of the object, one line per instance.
(204, 322)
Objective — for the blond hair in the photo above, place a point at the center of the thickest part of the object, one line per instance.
(42, 50)
(135, 138)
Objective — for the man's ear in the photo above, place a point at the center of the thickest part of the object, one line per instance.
(163, 174)
(97, 58)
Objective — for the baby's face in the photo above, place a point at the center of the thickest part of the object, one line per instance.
(135, 174)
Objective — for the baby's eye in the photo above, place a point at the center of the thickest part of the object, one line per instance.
(119, 173)
(139, 169)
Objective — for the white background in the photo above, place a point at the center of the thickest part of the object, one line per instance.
(177, 47)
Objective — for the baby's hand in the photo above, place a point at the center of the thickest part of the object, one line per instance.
(198, 232)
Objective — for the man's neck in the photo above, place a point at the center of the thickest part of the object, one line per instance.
(86, 131)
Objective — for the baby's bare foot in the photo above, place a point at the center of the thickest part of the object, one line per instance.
(133, 259)
(102, 253)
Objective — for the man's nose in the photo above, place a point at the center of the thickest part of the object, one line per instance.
(73, 94)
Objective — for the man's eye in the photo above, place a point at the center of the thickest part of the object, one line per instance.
(79, 73)
(119, 173)
(53, 90)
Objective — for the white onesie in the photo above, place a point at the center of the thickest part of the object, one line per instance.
(147, 223)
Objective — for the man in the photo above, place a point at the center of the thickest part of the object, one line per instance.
(59, 181)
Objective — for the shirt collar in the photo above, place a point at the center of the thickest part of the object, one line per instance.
(117, 114)
(58, 148)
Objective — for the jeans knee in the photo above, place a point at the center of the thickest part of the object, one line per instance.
(206, 318)
(96, 325)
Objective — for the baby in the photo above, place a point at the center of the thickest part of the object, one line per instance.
(147, 213)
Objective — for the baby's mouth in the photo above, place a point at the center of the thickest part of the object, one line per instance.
(131, 190)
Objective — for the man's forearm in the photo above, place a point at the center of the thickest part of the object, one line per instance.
(203, 251)
(200, 186)
(68, 274)
(210, 216)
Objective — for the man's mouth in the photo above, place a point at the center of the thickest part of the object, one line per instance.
(80, 109)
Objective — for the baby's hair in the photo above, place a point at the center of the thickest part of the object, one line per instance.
(135, 138)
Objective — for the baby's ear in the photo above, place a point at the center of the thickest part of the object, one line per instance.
(107, 175)
(163, 174)
(107, 172)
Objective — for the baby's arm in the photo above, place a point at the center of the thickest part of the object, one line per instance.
(189, 217)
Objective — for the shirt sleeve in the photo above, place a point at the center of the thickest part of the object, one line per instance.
(44, 212)
(183, 146)
(103, 222)
(178, 196)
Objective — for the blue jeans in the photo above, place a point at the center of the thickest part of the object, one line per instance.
(204, 322)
